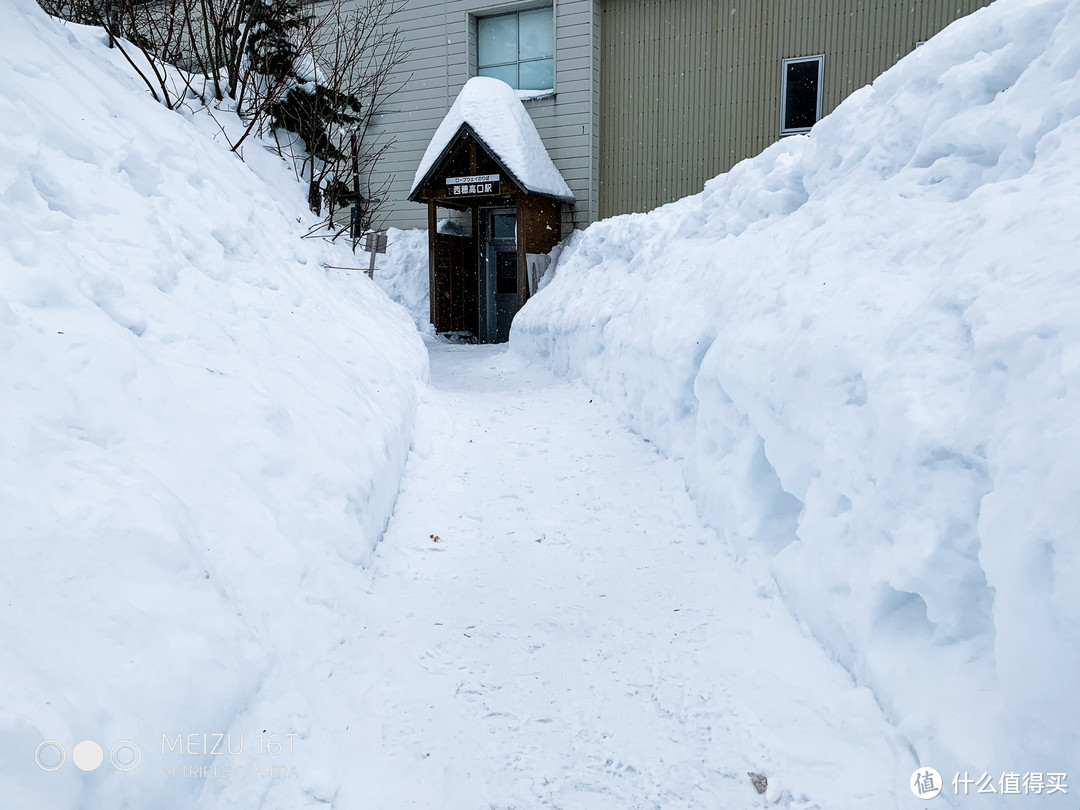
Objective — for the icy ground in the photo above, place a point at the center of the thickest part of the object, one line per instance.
(575, 637)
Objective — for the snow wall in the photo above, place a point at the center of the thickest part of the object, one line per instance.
(863, 344)
(402, 273)
(202, 431)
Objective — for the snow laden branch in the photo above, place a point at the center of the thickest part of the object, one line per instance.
(311, 75)
(340, 79)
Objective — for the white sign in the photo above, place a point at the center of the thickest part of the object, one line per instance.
(477, 184)
(472, 179)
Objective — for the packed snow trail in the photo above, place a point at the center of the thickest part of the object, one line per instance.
(551, 625)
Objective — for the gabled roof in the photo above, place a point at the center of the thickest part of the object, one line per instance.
(495, 116)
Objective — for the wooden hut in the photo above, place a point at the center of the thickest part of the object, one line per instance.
(487, 161)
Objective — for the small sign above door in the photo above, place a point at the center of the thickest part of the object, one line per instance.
(472, 186)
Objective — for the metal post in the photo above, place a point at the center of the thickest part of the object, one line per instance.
(356, 183)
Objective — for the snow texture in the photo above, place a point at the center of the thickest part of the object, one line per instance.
(552, 625)
(402, 273)
(497, 116)
(862, 346)
(202, 429)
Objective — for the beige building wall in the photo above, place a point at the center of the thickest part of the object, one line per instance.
(688, 88)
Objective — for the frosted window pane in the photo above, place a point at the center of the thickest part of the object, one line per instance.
(504, 226)
(535, 34)
(496, 40)
(537, 75)
(508, 73)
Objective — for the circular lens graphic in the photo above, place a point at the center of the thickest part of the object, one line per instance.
(50, 755)
(87, 755)
(125, 755)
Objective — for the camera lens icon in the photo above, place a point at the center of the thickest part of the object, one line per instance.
(88, 755)
(125, 755)
(50, 755)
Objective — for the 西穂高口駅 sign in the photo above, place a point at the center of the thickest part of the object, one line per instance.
(473, 185)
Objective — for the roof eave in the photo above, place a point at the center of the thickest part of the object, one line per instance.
(465, 128)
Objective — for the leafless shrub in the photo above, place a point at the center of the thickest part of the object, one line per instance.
(355, 48)
(319, 101)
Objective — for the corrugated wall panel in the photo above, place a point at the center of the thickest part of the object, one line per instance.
(688, 88)
(658, 57)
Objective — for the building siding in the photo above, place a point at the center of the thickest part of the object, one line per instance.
(688, 88)
(440, 38)
(653, 97)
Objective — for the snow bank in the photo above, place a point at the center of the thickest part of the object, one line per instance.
(402, 273)
(495, 113)
(863, 345)
(202, 436)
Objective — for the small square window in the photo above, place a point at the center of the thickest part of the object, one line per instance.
(518, 48)
(800, 94)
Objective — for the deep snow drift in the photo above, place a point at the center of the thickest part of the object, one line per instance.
(402, 273)
(202, 431)
(863, 346)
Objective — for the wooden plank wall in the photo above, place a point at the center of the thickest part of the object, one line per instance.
(540, 223)
(454, 294)
(688, 88)
(539, 230)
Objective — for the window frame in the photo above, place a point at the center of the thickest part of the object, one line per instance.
(516, 9)
(820, 60)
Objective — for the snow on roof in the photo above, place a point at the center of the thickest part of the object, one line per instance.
(495, 113)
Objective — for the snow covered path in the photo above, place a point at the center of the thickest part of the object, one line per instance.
(576, 637)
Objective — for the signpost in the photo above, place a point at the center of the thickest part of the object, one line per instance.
(374, 242)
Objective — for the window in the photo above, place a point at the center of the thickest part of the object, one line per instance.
(517, 48)
(800, 94)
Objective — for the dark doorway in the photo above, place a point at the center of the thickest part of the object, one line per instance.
(498, 274)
